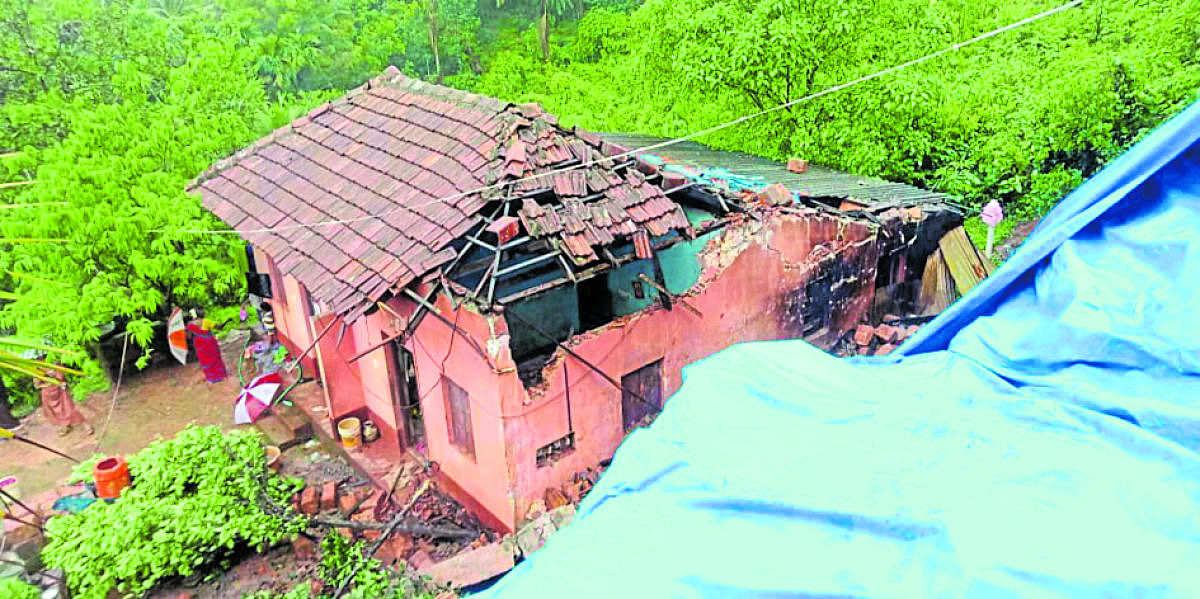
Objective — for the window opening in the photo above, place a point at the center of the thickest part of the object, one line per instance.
(641, 395)
(458, 418)
(548, 454)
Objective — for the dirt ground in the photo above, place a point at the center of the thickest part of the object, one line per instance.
(157, 402)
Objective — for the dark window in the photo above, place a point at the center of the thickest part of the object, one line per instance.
(641, 395)
(458, 417)
(548, 454)
(595, 302)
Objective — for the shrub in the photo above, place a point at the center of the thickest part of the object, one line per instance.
(193, 501)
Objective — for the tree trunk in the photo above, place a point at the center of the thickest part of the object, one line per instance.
(6, 418)
(434, 35)
(544, 33)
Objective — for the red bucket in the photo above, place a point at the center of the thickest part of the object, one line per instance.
(111, 475)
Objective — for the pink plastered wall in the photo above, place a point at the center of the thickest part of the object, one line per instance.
(466, 361)
(743, 296)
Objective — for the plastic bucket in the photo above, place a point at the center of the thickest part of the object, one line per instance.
(350, 430)
(111, 475)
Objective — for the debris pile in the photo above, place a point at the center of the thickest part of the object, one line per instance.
(868, 340)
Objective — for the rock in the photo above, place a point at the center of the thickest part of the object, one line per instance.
(863, 334)
(884, 349)
(328, 496)
(797, 165)
(470, 567)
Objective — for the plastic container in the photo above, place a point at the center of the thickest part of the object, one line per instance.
(369, 431)
(273, 454)
(112, 476)
(350, 430)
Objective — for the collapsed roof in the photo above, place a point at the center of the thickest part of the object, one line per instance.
(402, 180)
(387, 175)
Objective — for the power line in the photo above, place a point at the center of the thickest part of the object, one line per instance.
(662, 144)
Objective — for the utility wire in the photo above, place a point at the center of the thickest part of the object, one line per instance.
(665, 143)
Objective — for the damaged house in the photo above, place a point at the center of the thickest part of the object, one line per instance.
(515, 335)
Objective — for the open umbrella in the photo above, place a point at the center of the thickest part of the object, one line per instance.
(256, 397)
(177, 336)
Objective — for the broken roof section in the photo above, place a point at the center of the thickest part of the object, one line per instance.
(393, 169)
(402, 180)
(738, 170)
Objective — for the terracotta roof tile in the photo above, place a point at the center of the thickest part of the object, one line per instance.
(393, 149)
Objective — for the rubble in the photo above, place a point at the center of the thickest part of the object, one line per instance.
(877, 340)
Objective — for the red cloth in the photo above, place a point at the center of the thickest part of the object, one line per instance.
(208, 352)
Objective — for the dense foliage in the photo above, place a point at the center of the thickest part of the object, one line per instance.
(15, 588)
(111, 106)
(342, 558)
(1022, 117)
(194, 500)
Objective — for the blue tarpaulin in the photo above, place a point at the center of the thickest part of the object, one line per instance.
(1038, 439)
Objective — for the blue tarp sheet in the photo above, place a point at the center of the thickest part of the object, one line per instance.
(1038, 439)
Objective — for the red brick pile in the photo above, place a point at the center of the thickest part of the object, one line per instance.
(882, 339)
(575, 490)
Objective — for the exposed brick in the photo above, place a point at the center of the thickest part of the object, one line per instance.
(776, 194)
(886, 333)
(555, 498)
(328, 496)
(396, 547)
(863, 334)
(347, 503)
(310, 500)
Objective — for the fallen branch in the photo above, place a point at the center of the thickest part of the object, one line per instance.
(446, 532)
(387, 532)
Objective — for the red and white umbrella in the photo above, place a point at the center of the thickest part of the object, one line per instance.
(256, 397)
(177, 336)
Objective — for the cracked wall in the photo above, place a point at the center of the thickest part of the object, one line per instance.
(757, 281)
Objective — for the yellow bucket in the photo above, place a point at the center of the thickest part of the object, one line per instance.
(350, 430)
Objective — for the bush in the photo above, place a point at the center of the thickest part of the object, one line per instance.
(15, 588)
(341, 558)
(194, 501)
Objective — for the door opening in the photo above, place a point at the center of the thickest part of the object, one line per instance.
(595, 302)
(410, 422)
